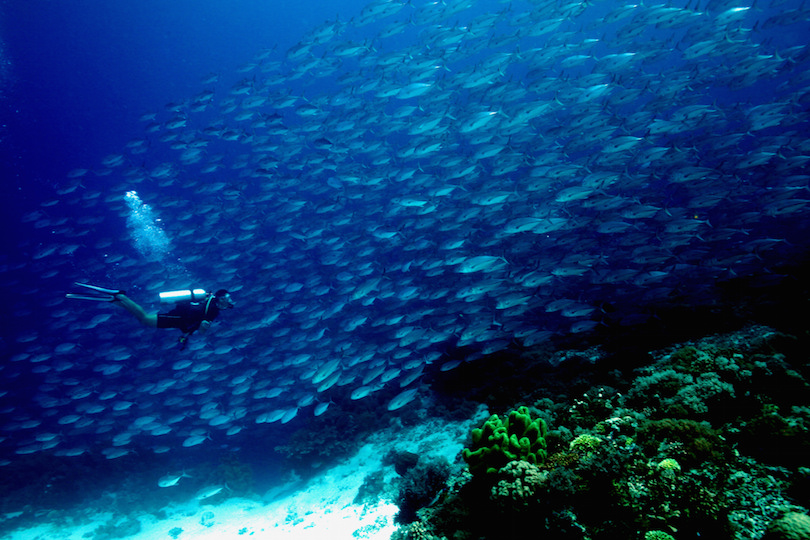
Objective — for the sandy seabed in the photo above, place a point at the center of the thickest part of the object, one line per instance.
(322, 508)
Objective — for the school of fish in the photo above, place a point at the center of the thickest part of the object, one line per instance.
(425, 176)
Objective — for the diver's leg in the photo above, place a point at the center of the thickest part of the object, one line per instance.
(146, 319)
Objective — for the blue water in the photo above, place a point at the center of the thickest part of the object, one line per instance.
(79, 76)
(308, 203)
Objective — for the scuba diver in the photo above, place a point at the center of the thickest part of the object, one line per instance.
(194, 309)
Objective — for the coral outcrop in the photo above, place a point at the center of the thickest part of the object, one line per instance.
(518, 436)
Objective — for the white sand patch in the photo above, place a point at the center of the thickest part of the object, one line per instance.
(322, 508)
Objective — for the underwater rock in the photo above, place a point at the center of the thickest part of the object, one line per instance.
(420, 486)
(403, 461)
(207, 519)
(791, 526)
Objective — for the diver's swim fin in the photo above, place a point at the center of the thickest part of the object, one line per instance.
(99, 289)
(100, 298)
(106, 295)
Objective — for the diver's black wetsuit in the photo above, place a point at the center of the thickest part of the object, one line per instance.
(187, 316)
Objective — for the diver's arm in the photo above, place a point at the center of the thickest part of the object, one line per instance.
(204, 325)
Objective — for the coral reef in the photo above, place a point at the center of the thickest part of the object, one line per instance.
(707, 441)
(419, 486)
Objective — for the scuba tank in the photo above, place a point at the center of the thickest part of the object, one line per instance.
(185, 295)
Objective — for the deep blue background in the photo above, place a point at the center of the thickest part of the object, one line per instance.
(79, 74)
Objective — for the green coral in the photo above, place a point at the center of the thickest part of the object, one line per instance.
(499, 441)
(657, 535)
(669, 464)
(585, 444)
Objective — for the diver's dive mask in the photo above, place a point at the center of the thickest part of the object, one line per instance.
(225, 301)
